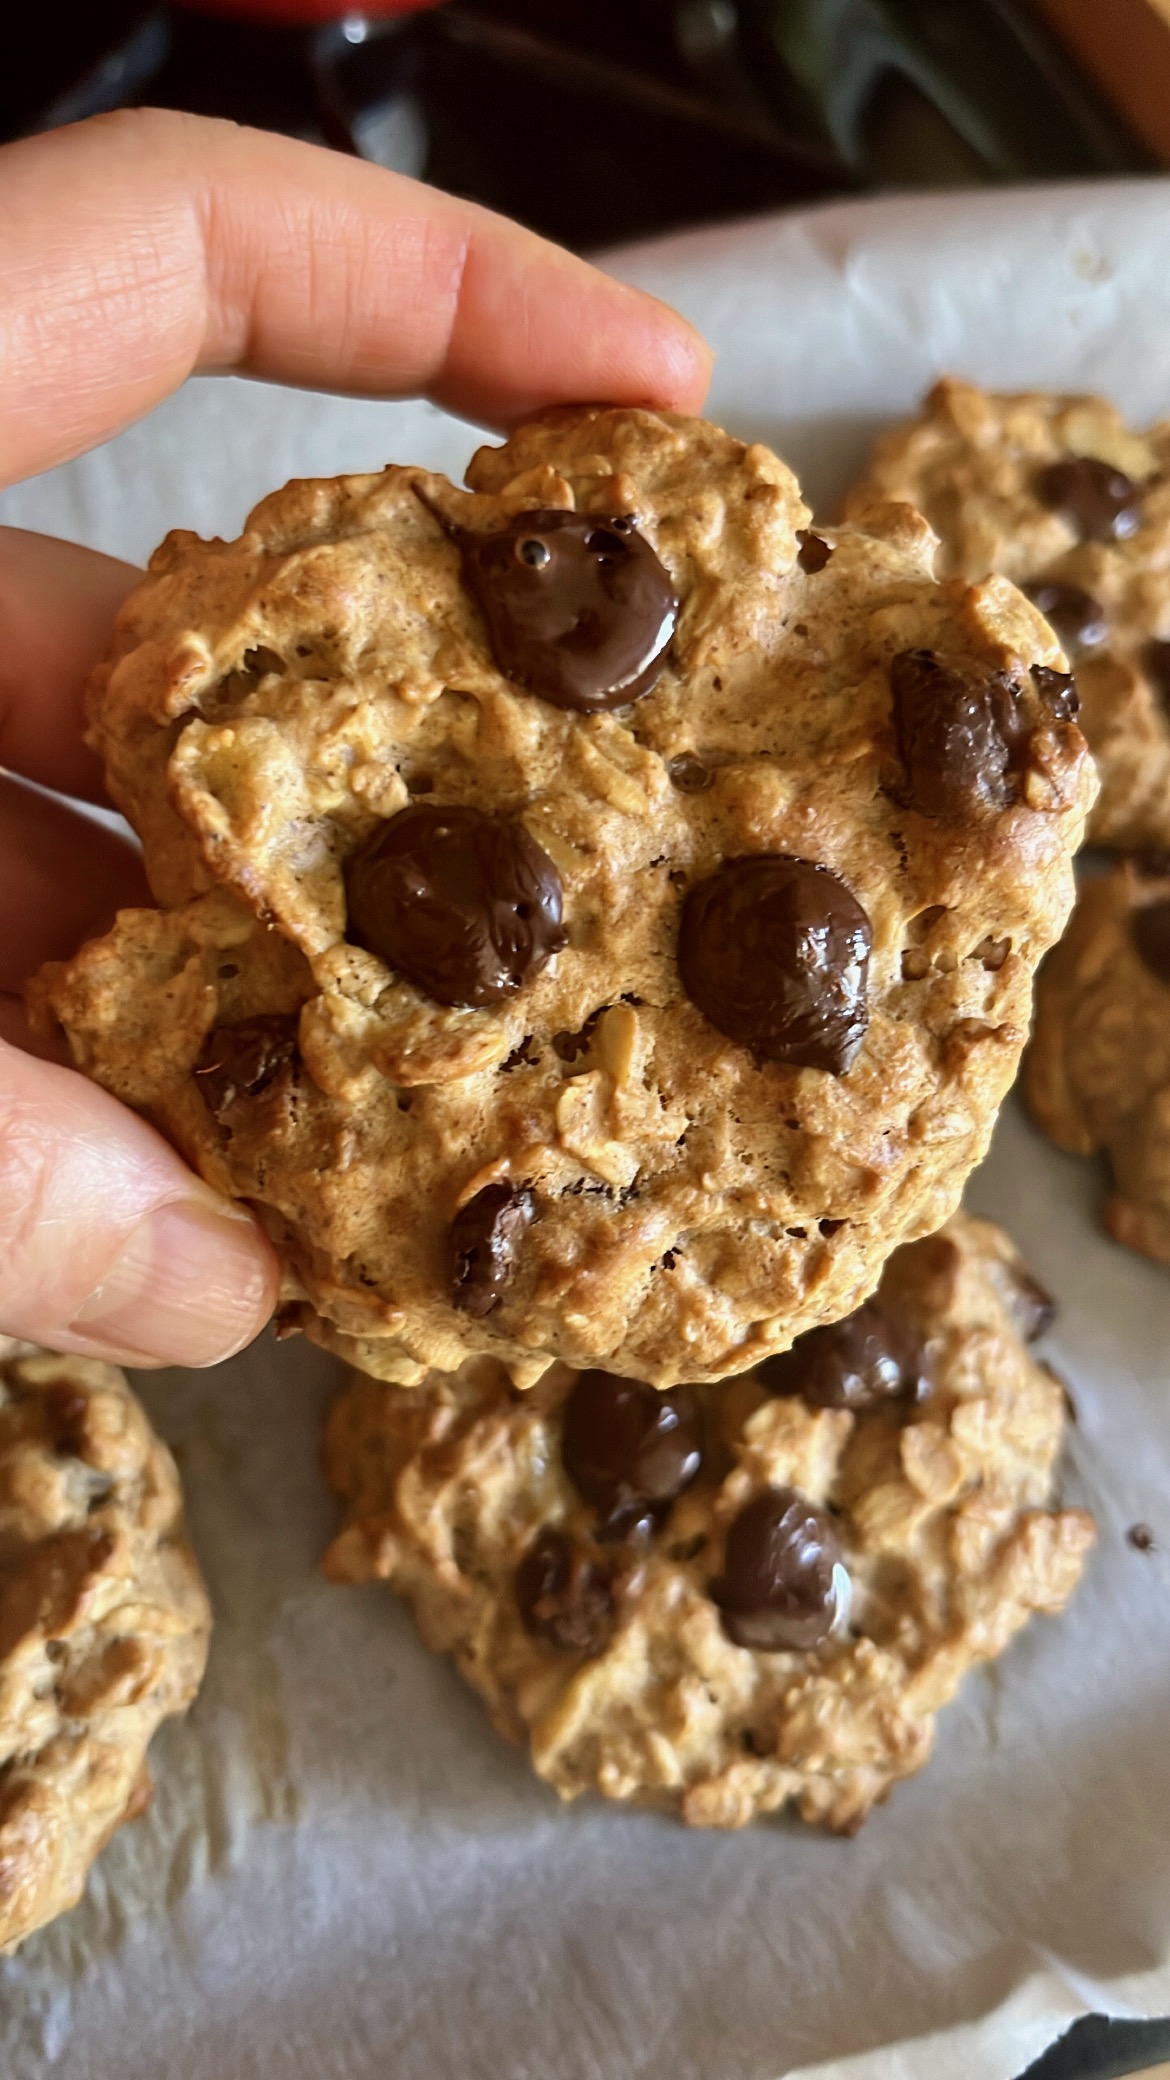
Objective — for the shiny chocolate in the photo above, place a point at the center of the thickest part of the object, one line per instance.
(579, 609)
(1100, 502)
(484, 1240)
(564, 1597)
(465, 905)
(866, 1360)
(784, 1578)
(244, 1061)
(958, 725)
(630, 1449)
(774, 951)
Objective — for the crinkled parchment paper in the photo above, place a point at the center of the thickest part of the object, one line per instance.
(346, 1876)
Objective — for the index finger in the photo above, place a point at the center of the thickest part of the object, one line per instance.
(139, 247)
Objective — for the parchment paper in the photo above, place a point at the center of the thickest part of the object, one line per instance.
(346, 1876)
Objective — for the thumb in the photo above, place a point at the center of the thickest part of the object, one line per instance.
(109, 1246)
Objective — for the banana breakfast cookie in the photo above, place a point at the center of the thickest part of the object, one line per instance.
(718, 1601)
(103, 1621)
(599, 914)
(1097, 1074)
(1060, 496)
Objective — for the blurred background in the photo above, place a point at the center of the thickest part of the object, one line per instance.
(602, 120)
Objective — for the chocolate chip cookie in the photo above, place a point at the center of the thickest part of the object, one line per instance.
(598, 913)
(1097, 1073)
(1059, 495)
(103, 1621)
(719, 1600)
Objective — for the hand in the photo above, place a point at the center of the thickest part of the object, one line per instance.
(134, 250)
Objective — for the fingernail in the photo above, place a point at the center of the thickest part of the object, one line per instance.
(191, 1286)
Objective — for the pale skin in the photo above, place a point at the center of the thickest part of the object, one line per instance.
(136, 250)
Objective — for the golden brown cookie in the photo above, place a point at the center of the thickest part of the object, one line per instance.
(718, 1601)
(630, 1008)
(1097, 1073)
(1059, 495)
(103, 1621)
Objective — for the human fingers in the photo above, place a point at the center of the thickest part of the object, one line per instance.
(57, 607)
(108, 1245)
(139, 247)
(62, 878)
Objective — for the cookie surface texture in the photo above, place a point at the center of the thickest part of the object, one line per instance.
(1058, 494)
(734, 983)
(610, 1648)
(103, 1621)
(1097, 1074)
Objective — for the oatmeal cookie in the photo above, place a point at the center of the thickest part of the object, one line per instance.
(1059, 495)
(103, 1621)
(599, 915)
(1098, 1070)
(718, 1601)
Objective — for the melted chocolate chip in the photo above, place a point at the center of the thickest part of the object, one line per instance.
(579, 609)
(958, 725)
(1032, 1308)
(1058, 691)
(521, 1057)
(1102, 503)
(1156, 659)
(689, 774)
(630, 1449)
(813, 553)
(867, 1359)
(245, 1061)
(465, 905)
(1141, 1538)
(784, 1577)
(567, 1046)
(65, 1409)
(485, 1236)
(1079, 619)
(564, 1597)
(775, 952)
(1151, 936)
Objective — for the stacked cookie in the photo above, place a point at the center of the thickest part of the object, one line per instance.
(596, 931)
(1060, 495)
(103, 1621)
(720, 1599)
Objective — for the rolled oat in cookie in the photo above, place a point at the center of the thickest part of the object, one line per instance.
(593, 925)
(1097, 1074)
(103, 1621)
(1059, 495)
(719, 1601)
